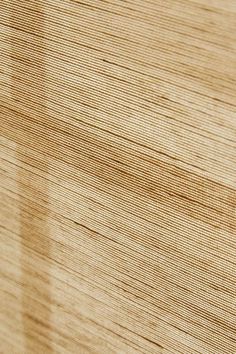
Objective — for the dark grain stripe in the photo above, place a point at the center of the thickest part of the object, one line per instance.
(34, 232)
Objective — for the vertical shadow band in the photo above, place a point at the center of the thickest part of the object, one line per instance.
(32, 189)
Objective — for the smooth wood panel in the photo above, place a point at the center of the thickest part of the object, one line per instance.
(118, 176)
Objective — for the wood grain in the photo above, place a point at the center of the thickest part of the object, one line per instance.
(118, 176)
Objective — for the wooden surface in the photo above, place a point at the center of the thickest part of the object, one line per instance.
(117, 176)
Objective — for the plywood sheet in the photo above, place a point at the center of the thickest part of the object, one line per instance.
(118, 176)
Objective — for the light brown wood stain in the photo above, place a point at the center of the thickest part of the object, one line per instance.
(123, 114)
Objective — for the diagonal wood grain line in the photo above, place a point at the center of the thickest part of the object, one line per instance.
(34, 231)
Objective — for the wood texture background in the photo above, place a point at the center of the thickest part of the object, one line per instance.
(117, 176)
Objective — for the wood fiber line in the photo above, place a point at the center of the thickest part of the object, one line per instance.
(34, 232)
